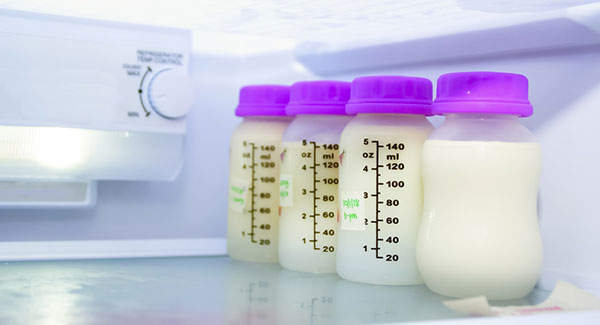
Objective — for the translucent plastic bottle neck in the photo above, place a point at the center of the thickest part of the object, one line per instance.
(322, 117)
(267, 118)
(481, 116)
(482, 127)
(390, 115)
(393, 120)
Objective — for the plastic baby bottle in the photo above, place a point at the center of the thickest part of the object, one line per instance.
(309, 175)
(254, 173)
(479, 234)
(381, 192)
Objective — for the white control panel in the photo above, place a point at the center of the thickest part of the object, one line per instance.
(94, 75)
(91, 100)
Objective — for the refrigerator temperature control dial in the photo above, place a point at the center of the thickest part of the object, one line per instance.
(170, 93)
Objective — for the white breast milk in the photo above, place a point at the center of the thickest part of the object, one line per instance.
(254, 189)
(309, 205)
(381, 198)
(381, 191)
(253, 216)
(480, 231)
(479, 235)
(309, 175)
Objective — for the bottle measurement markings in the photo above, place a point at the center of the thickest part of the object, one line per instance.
(327, 152)
(255, 195)
(252, 192)
(377, 202)
(390, 202)
(314, 194)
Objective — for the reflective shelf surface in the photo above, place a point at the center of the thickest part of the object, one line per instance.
(204, 290)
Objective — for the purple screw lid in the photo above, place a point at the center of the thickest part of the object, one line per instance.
(265, 100)
(318, 97)
(390, 94)
(482, 92)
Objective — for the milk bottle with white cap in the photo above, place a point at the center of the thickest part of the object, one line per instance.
(254, 173)
(479, 234)
(381, 193)
(309, 176)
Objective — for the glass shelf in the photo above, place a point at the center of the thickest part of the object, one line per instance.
(205, 290)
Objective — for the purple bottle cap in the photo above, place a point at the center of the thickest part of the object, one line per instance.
(318, 97)
(390, 94)
(265, 100)
(482, 92)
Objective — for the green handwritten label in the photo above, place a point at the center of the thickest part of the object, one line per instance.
(286, 193)
(237, 190)
(353, 211)
(350, 216)
(351, 203)
(238, 194)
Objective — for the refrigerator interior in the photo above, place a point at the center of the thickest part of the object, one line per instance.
(557, 46)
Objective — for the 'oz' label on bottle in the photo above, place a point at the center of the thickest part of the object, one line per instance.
(238, 194)
(286, 194)
(353, 211)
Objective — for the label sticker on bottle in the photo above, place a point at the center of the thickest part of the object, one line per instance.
(286, 193)
(238, 194)
(353, 211)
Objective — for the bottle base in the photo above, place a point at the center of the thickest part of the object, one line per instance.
(493, 295)
(254, 259)
(382, 280)
(307, 269)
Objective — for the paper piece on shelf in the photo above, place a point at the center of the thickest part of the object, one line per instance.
(565, 297)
